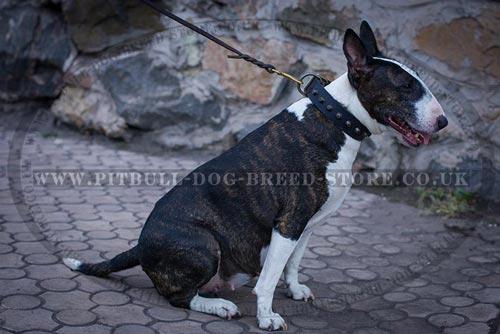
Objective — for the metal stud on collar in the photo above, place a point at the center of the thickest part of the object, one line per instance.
(341, 118)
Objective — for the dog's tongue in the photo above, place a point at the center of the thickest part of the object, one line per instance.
(426, 138)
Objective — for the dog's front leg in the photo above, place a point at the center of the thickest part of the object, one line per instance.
(296, 290)
(278, 253)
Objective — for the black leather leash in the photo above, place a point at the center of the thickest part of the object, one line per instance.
(314, 89)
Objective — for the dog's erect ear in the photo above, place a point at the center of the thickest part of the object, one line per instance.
(358, 59)
(368, 38)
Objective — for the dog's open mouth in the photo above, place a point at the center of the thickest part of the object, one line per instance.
(413, 137)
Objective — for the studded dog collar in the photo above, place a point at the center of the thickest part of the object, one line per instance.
(334, 110)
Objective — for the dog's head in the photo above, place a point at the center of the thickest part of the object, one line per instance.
(393, 94)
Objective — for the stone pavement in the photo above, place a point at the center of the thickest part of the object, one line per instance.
(375, 267)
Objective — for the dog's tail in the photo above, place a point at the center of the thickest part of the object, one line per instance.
(122, 261)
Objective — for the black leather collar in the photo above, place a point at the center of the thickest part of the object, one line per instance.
(334, 111)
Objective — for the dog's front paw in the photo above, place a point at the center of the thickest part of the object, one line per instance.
(299, 292)
(272, 322)
(226, 309)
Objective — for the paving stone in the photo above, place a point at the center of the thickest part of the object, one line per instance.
(345, 262)
(23, 320)
(110, 298)
(59, 227)
(475, 272)
(388, 314)
(226, 327)
(360, 274)
(133, 329)
(469, 328)
(167, 313)
(353, 229)
(308, 322)
(58, 284)
(368, 331)
(433, 291)
(326, 251)
(341, 240)
(101, 235)
(482, 259)
(398, 297)
(478, 312)
(59, 301)
(446, 320)
(456, 301)
(26, 248)
(116, 315)
(345, 288)
(422, 308)
(88, 329)
(414, 283)
(327, 230)
(409, 326)
(185, 327)
(488, 295)
(75, 317)
(387, 249)
(41, 258)
(21, 302)
(467, 286)
(369, 303)
(326, 275)
(18, 286)
(11, 260)
(5, 249)
(11, 273)
(375, 261)
(96, 284)
(49, 271)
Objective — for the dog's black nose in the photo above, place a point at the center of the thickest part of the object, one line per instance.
(442, 122)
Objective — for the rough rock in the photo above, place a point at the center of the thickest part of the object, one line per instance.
(149, 95)
(90, 106)
(308, 20)
(245, 80)
(96, 25)
(380, 153)
(35, 50)
(478, 46)
(315, 20)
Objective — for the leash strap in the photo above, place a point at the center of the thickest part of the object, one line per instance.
(239, 55)
(334, 110)
(314, 89)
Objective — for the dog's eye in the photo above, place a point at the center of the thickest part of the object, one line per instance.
(406, 86)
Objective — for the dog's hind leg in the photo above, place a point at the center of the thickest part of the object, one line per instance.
(180, 268)
(180, 286)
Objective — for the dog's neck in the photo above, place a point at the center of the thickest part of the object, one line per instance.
(342, 91)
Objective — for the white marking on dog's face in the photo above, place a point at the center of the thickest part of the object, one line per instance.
(427, 109)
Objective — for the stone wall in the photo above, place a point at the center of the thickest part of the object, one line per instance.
(118, 68)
